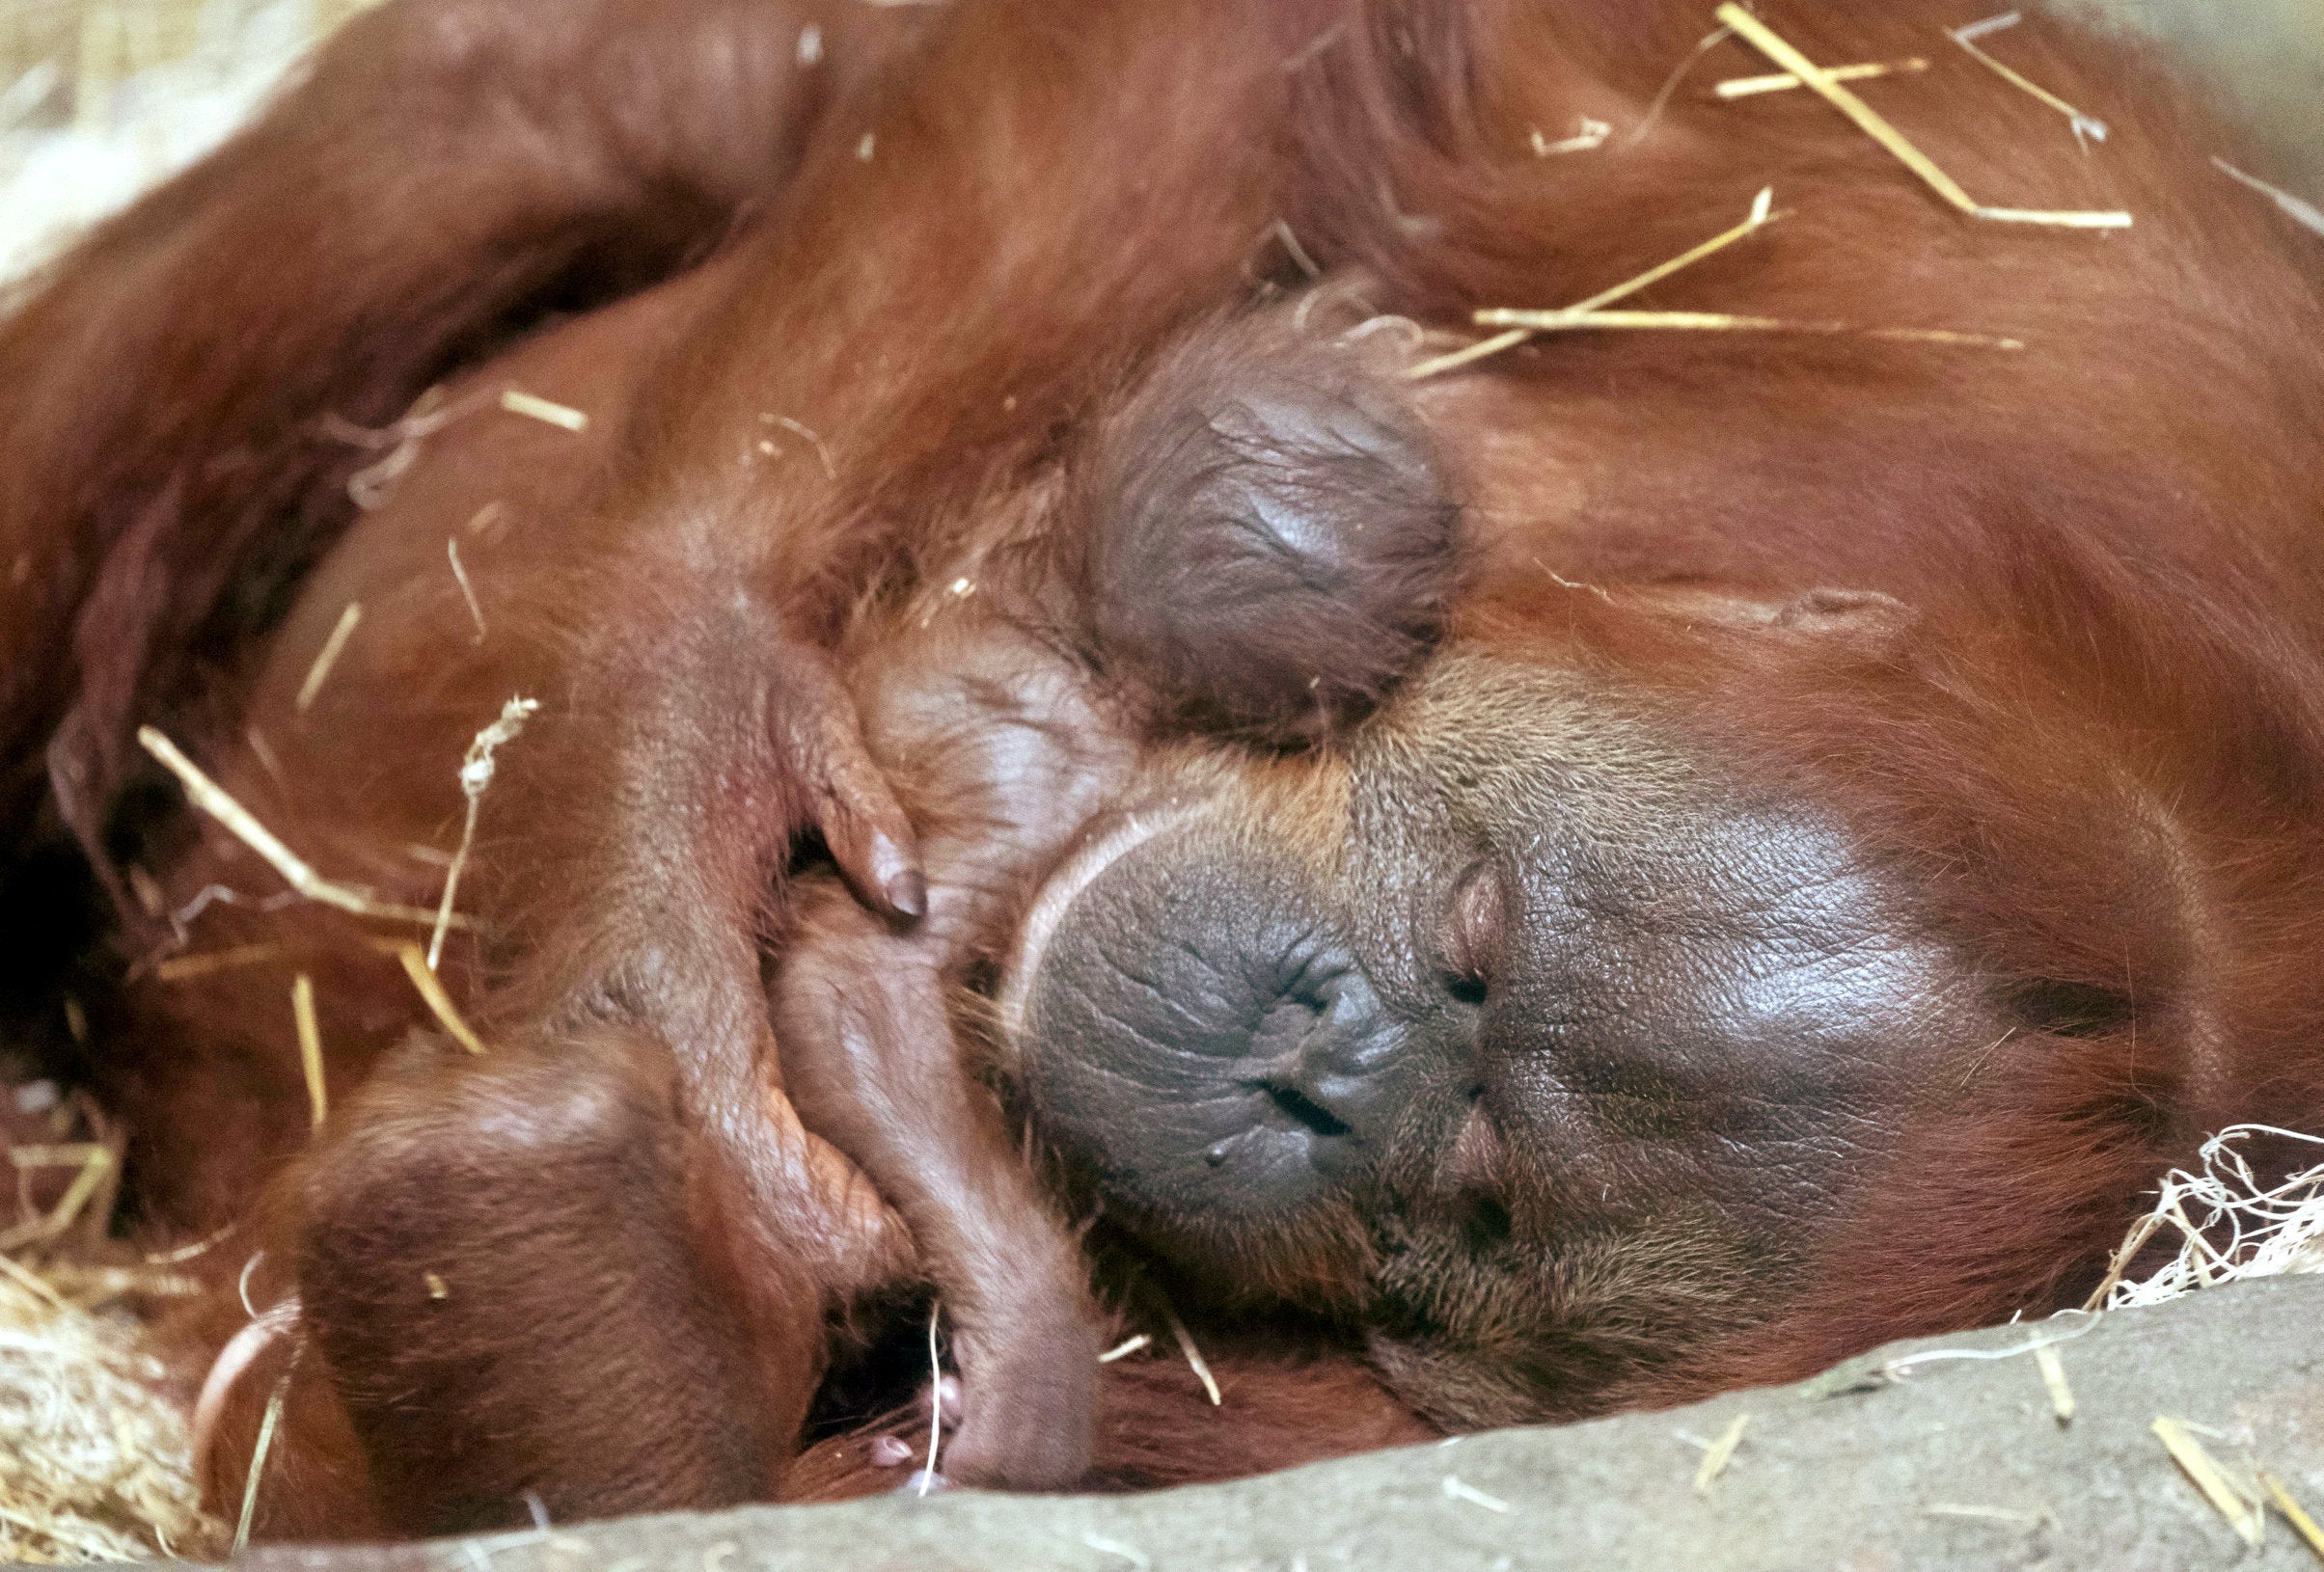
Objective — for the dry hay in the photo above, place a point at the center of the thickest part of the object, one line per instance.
(93, 1460)
(2232, 1224)
(102, 98)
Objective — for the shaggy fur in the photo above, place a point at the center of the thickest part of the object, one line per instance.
(2041, 630)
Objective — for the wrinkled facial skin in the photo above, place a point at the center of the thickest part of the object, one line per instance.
(1551, 1039)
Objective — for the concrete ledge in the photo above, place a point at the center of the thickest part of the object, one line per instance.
(1958, 1464)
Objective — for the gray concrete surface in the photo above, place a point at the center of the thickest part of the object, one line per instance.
(1958, 1464)
(2265, 56)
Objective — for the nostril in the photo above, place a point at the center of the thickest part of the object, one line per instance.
(1487, 1224)
(1300, 1109)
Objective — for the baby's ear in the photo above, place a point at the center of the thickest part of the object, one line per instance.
(1270, 546)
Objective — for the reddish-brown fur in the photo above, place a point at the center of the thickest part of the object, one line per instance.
(2076, 712)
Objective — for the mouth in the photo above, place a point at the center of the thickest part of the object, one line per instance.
(1185, 1024)
(1108, 839)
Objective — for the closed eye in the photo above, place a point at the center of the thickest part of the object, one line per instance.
(1474, 931)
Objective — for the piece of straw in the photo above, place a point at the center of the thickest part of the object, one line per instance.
(2290, 1510)
(431, 992)
(1870, 121)
(1194, 1356)
(2241, 1226)
(2056, 218)
(88, 1201)
(2119, 1262)
(53, 1154)
(1577, 320)
(2089, 125)
(1670, 84)
(1125, 1348)
(94, 1160)
(1719, 1453)
(1748, 87)
(476, 774)
(516, 401)
(94, 1285)
(2242, 1513)
(179, 967)
(1769, 43)
(215, 801)
(328, 656)
(1138, 1560)
(258, 1461)
(2053, 1380)
(310, 1045)
(188, 1252)
(1983, 1514)
(1588, 138)
(823, 452)
(97, 1165)
(935, 1401)
(402, 441)
(1896, 1369)
(1760, 214)
(467, 593)
(1973, 31)
(1281, 230)
(33, 1283)
(2296, 209)
(1457, 1488)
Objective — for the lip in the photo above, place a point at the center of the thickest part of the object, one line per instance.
(1106, 841)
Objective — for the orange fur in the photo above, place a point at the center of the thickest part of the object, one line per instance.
(837, 329)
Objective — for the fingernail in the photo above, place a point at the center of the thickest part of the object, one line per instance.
(886, 1451)
(947, 1398)
(908, 892)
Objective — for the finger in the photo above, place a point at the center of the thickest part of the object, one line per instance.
(869, 836)
(863, 1241)
(864, 828)
(869, 1246)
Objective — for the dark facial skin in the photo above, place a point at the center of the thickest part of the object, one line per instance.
(1496, 1018)
(1262, 501)
(1571, 1047)
(1445, 990)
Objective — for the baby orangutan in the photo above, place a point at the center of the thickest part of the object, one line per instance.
(1257, 544)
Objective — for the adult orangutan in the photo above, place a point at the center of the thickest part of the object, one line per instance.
(1645, 862)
